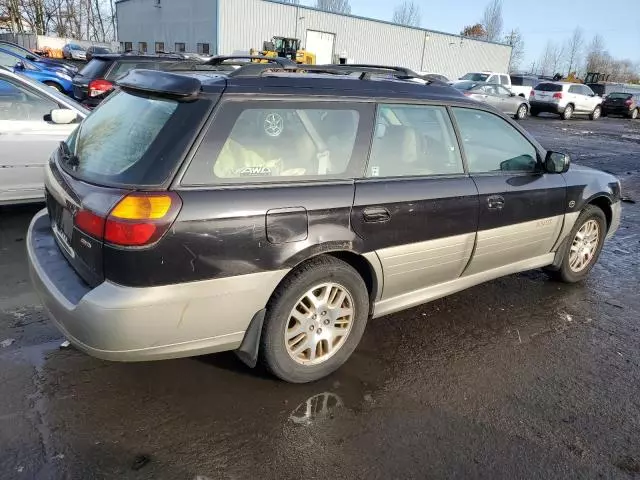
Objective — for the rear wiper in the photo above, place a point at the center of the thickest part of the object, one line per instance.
(67, 156)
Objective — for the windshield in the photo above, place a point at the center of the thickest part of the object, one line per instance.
(127, 140)
(476, 77)
(18, 50)
(620, 95)
(465, 85)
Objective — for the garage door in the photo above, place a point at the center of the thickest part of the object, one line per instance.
(321, 43)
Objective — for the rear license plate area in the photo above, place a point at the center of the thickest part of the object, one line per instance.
(61, 223)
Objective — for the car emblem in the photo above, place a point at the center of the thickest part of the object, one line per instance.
(273, 124)
(572, 204)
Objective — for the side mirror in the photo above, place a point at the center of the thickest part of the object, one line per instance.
(512, 94)
(30, 57)
(63, 116)
(557, 162)
(19, 66)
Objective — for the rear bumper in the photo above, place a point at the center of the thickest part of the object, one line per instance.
(546, 107)
(120, 323)
(617, 110)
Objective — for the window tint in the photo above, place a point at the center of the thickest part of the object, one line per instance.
(620, 95)
(275, 143)
(492, 145)
(502, 90)
(95, 68)
(504, 80)
(20, 104)
(123, 67)
(475, 77)
(7, 60)
(494, 79)
(549, 87)
(586, 90)
(413, 140)
(203, 48)
(575, 89)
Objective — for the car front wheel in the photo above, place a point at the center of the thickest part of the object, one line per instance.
(634, 114)
(585, 244)
(314, 320)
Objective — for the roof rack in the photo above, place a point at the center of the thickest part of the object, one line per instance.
(366, 71)
(246, 63)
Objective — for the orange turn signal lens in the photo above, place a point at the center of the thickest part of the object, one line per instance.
(142, 207)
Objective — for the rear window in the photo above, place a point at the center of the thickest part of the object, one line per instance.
(522, 81)
(620, 95)
(123, 67)
(476, 77)
(549, 87)
(131, 140)
(95, 68)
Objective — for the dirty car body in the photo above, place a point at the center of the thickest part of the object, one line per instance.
(270, 187)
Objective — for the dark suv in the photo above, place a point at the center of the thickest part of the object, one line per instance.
(273, 210)
(622, 103)
(96, 80)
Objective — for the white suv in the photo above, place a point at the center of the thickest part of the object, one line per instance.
(565, 99)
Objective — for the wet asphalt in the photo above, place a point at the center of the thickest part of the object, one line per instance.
(521, 377)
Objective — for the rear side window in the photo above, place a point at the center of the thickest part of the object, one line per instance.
(549, 87)
(95, 68)
(276, 142)
(504, 80)
(131, 140)
(413, 140)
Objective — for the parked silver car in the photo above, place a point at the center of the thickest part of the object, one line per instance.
(495, 95)
(34, 119)
(73, 51)
(565, 99)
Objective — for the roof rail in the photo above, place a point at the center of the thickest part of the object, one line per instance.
(219, 59)
(366, 71)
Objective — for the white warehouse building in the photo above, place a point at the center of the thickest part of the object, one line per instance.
(232, 26)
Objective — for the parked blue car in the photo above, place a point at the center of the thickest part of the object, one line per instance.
(33, 57)
(52, 76)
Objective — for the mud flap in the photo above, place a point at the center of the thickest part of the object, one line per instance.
(248, 350)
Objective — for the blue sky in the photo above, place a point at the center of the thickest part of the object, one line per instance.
(617, 21)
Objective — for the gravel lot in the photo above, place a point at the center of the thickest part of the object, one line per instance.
(521, 377)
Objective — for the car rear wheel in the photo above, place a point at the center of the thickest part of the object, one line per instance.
(568, 112)
(54, 85)
(595, 115)
(585, 244)
(521, 114)
(314, 320)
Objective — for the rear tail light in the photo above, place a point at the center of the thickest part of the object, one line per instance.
(558, 95)
(466, 94)
(628, 102)
(532, 93)
(138, 219)
(99, 87)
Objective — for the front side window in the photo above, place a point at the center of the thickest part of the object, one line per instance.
(587, 91)
(504, 80)
(500, 90)
(491, 144)
(413, 140)
(275, 143)
(20, 104)
(575, 89)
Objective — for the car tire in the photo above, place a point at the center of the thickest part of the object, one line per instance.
(296, 356)
(634, 114)
(568, 112)
(54, 85)
(596, 114)
(533, 112)
(570, 271)
(522, 111)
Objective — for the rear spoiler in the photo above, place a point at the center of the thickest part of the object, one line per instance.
(161, 83)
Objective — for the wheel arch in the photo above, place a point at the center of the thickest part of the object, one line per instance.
(603, 203)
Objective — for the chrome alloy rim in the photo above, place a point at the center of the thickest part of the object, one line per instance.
(319, 324)
(584, 246)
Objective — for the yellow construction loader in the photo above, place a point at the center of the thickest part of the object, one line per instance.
(286, 47)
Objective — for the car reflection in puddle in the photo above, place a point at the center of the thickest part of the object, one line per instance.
(316, 408)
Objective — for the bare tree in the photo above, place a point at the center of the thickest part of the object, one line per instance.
(407, 13)
(557, 54)
(334, 6)
(597, 58)
(492, 20)
(573, 49)
(514, 38)
(545, 65)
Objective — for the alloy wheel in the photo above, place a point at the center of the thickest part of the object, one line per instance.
(584, 246)
(319, 324)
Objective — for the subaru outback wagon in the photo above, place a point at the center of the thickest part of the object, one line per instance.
(273, 211)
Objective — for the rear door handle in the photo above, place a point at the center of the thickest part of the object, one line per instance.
(495, 202)
(376, 214)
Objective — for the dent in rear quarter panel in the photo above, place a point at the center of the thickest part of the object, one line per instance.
(223, 232)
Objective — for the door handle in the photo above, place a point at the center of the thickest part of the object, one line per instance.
(495, 202)
(376, 215)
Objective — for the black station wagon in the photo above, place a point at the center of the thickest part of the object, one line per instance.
(272, 210)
